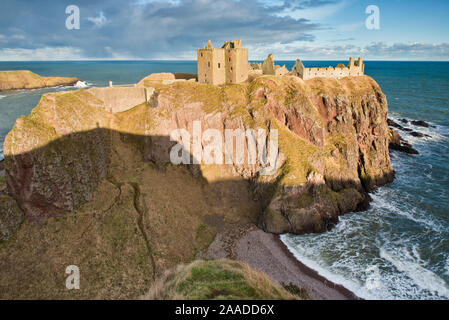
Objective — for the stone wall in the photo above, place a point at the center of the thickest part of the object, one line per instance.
(339, 72)
(119, 99)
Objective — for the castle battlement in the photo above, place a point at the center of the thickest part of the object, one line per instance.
(353, 69)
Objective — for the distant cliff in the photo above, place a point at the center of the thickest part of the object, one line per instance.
(25, 79)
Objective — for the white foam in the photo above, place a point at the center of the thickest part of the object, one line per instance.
(81, 84)
(421, 276)
(446, 267)
(433, 133)
(299, 254)
(344, 254)
(381, 202)
(1, 97)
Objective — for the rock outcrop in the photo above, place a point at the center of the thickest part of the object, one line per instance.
(25, 79)
(399, 144)
(333, 145)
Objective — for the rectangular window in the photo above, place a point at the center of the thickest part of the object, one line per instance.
(208, 64)
(218, 65)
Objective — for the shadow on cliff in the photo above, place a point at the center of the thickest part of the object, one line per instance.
(64, 174)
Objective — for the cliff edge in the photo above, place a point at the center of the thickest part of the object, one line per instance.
(25, 79)
(333, 145)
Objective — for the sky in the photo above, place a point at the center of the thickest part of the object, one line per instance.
(174, 29)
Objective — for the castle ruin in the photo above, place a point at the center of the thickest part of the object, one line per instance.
(341, 71)
(228, 64)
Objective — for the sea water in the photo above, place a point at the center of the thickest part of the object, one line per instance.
(399, 248)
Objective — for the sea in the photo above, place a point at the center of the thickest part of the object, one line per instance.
(399, 248)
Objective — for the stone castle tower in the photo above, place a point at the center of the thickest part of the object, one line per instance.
(228, 64)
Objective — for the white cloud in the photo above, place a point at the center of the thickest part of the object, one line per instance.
(47, 53)
(98, 21)
(314, 13)
(373, 51)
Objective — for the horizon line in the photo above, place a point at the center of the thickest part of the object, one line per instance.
(187, 60)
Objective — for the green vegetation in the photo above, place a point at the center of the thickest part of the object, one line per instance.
(217, 279)
(298, 152)
(294, 289)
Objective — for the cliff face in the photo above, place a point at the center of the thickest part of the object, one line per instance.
(333, 141)
(98, 191)
(25, 79)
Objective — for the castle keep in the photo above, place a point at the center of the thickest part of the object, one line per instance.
(228, 64)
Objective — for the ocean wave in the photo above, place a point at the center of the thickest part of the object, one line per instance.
(411, 265)
(300, 253)
(447, 267)
(81, 84)
(399, 274)
(1, 97)
(379, 239)
(78, 85)
(434, 132)
(382, 200)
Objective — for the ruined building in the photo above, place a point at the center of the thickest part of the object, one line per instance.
(341, 71)
(269, 68)
(228, 64)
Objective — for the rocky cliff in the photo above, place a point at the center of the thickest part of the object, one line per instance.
(98, 190)
(25, 79)
(333, 142)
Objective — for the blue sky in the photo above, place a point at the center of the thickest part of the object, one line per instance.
(173, 29)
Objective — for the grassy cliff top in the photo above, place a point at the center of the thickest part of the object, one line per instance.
(25, 79)
(217, 279)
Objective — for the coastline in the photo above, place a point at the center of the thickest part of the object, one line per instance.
(314, 274)
(267, 253)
